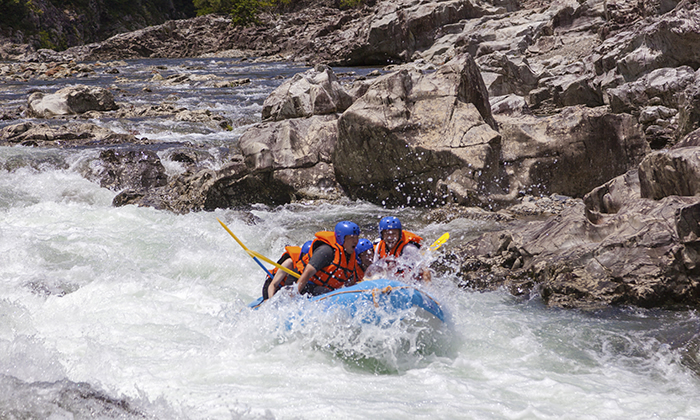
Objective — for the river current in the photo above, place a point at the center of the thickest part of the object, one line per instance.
(131, 312)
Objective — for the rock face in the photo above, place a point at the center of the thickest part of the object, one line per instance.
(616, 247)
(297, 154)
(486, 103)
(539, 153)
(139, 170)
(417, 138)
(673, 172)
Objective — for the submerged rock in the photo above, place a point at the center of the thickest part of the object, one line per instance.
(62, 400)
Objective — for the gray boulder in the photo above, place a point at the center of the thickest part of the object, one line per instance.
(645, 254)
(70, 100)
(419, 139)
(119, 169)
(296, 153)
(315, 92)
(568, 153)
(670, 172)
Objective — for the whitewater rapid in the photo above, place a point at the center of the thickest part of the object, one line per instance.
(148, 309)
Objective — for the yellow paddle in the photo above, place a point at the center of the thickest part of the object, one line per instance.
(441, 240)
(257, 255)
(264, 258)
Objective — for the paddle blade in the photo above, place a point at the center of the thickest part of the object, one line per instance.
(441, 240)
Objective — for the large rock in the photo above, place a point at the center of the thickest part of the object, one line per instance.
(175, 38)
(120, 169)
(70, 100)
(395, 31)
(296, 153)
(568, 153)
(670, 172)
(68, 135)
(274, 163)
(664, 84)
(668, 41)
(419, 139)
(315, 92)
(645, 254)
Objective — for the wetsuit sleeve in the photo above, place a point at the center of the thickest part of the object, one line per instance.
(322, 257)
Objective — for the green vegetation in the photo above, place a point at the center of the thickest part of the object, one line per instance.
(349, 4)
(12, 13)
(242, 12)
(59, 24)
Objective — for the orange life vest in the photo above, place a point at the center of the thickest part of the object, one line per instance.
(294, 252)
(341, 271)
(405, 239)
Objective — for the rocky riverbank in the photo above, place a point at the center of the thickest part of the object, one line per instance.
(483, 105)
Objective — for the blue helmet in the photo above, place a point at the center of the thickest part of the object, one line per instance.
(362, 246)
(389, 222)
(343, 229)
(306, 247)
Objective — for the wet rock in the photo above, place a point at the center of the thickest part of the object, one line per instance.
(70, 100)
(62, 399)
(632, 257)
(68, 135)
(232, 186)
(138, 170)
(450, 212)
(419, 139)
(129, 110)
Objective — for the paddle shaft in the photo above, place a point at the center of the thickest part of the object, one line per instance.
(257, 255)
(246, 249)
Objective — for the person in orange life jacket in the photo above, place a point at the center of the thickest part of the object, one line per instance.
(396, 242)
(294, 258)
(332, 262)
(364, 252)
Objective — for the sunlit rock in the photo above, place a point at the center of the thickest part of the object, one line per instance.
(419, 139)
(670, 172)
(70, 100)
(315, 92)
(569, 153)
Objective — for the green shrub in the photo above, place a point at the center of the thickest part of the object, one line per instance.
(349, 4)
(242, 12)
(12, 13)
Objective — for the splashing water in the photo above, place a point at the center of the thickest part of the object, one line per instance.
(129, 312)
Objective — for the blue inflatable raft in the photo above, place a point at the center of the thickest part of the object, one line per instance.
(373, 299)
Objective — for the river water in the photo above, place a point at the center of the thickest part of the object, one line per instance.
(133, 312)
